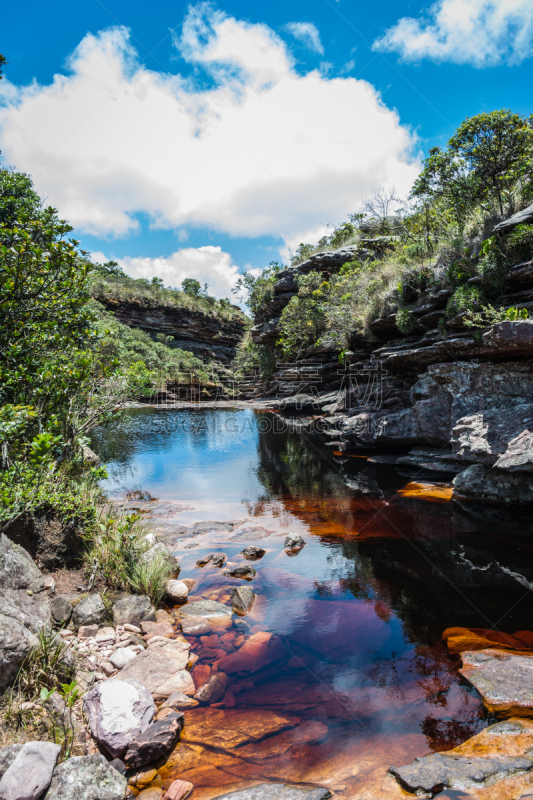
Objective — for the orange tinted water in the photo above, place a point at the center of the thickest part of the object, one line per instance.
(360, 674)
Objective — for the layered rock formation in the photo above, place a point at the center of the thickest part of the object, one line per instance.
(460, 401)
(208, 336)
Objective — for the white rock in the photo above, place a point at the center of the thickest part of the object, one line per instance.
(122, 657)
(66, 634)
(118, 710)
(132, 628)
(177, 591)
(106, 667)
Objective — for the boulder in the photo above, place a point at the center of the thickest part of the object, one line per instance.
(479, 482)
(431, 774)
(504, 680)
(24, 607)
(121, 657)
(519, 454)
(118, 710)
(484, 437)
(219, 559)
(242, 599)
(180, 702)
(162, 668)
(86, 778)
(177, 591)
(294, 542)
(253, 553)
(8, 755)
(244, 571)
(132, 610)
(214, 690)
(61, 609)
(31, 771)
(155, 742)
(205, 560)
(208, 609)
(89, 611)
(277, 791)
(524, 217)
(195, 626)
(178, 790)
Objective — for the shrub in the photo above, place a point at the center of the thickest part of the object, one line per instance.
(405, 321)
(520, 244)
(464, 299)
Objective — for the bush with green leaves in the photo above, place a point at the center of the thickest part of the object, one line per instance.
(519, 244)
(304, 318)
(464, 299)
(405, 321)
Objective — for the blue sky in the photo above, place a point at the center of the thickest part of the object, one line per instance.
(206, 139)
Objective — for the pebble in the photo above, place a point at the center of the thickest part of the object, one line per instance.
(179, 790)
(132, 628)
(87, 631)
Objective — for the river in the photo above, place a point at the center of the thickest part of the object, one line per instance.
(360, 610)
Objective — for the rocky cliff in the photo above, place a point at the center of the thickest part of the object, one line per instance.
(208, 336)
(442, 402)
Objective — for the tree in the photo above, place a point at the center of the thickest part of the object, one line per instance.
(191, 287)
(497, 148)
(2, 62)
(487, 155)
(379, 206)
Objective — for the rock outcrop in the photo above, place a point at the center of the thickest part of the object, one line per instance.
(24, 607)
(207, 336)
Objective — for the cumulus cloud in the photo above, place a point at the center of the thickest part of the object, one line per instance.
(257, 149)
(307, 33)
(205, 264)
(482, 33)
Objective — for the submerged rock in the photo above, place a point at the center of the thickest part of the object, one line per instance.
(227, 729)
(214, 690)
(86, 778)
(431, 774)
(118, 710)
(504, 680)
(277, 791)
(208, 609)
(195, 626)
(178, 790)
(259, 651)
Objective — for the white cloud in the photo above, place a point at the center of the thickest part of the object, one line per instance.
(482, 33)
(205, 264)
(258, 149)
(307, 33)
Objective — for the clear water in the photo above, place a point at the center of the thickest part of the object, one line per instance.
(362, 607)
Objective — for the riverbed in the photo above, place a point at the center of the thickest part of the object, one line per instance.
(359, 611)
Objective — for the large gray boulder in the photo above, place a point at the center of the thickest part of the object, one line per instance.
(133, 609)
(118, 710)
(483, 437)
(31, 771)
(519, 454)
(209, 609)
(89, 611)
(277, 791)
(504, 680)
(86, 778)
(24, 607)
(524, 217)
(479, 482)
(162, 668)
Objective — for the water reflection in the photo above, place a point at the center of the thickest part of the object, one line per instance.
(357, 615)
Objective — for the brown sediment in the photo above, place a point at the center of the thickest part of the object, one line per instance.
(427, 491)
(461, 639)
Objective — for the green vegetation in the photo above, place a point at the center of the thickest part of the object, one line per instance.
(110, 284)
(67, 366)
(404, 251)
